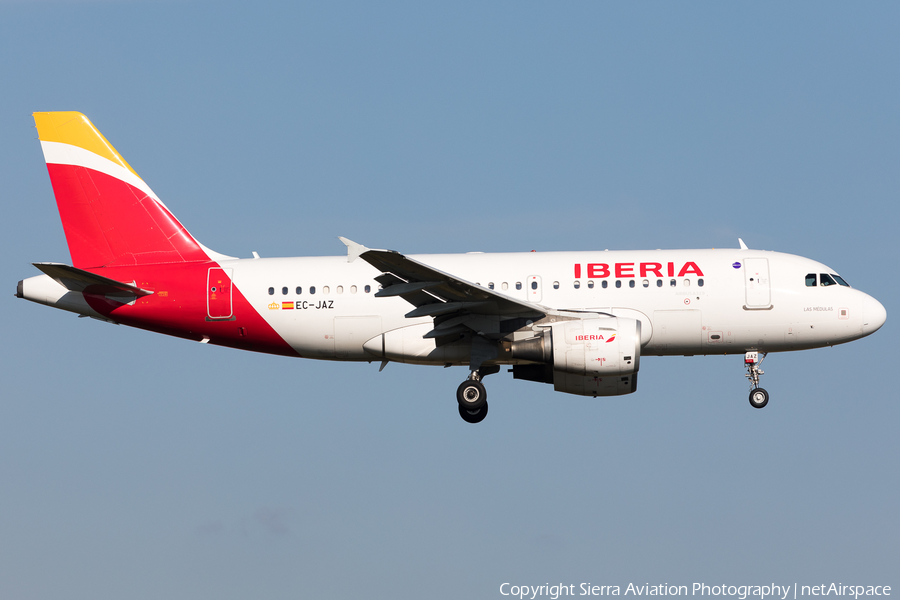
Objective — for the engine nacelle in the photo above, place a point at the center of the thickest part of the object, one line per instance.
(597, 347)
(590, 357)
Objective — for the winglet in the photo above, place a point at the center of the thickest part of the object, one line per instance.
(353, 249)
(743, 245)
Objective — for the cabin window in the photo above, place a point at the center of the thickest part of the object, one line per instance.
(700, 282)
(671, 283)
(577, 284)
(504, 286)
(618, 283)
(519, 285)
(367, 289)
(659, 283)
(312, 289)
(631, 283)
(646, 283)
(840, 280)
(604, 284)
(325, 289)
(352, 289)
(339, 289)
(271, 291)
(810, 280)
(826, 280)
(490, 285)
(534, 285)
(591, 284)
(555, 285)
(687, 283)
(284, 291)
(299, 290)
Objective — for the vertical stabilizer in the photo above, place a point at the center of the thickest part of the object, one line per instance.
(110, 216)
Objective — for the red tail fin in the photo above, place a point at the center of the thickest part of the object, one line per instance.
(110, 216)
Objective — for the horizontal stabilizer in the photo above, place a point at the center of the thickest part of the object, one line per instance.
(77, 280)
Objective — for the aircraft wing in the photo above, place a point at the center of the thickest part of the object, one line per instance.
(454, 303)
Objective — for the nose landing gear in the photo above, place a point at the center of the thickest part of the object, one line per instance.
(758, 396)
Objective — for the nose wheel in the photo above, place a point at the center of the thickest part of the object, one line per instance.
(758, 396)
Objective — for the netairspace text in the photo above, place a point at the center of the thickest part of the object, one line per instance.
(790, 591)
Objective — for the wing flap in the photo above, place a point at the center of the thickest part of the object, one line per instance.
(401, 289)
(443, 308)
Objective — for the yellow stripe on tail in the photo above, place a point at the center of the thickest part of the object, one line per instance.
(75, 129)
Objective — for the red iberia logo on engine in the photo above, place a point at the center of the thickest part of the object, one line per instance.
(587, 338)
(611, 338)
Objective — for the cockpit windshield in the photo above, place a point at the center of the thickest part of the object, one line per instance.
(840, 280)
(824, 280)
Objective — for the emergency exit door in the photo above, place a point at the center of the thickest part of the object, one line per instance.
(218, 293)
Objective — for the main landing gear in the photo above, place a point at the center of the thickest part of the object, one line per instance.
(472, 397)
(758, 396)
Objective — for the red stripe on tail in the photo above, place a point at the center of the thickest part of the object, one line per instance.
(111, 223)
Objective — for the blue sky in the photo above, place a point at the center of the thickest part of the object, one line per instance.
(134, 465)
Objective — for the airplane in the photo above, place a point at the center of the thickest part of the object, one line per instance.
(580, 321)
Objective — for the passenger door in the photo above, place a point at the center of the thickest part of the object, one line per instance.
(756, 283)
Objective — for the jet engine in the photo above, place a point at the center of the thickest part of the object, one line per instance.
(590, 357)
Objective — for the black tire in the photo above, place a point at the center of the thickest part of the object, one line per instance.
(473, 416)
(759, 398)
(471, 394)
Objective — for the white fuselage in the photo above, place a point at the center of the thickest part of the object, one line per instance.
(727, 302)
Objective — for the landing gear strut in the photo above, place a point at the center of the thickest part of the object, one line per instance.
(472, 397)
(758, 396)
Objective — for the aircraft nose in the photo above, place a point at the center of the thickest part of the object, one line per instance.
(874, 315)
